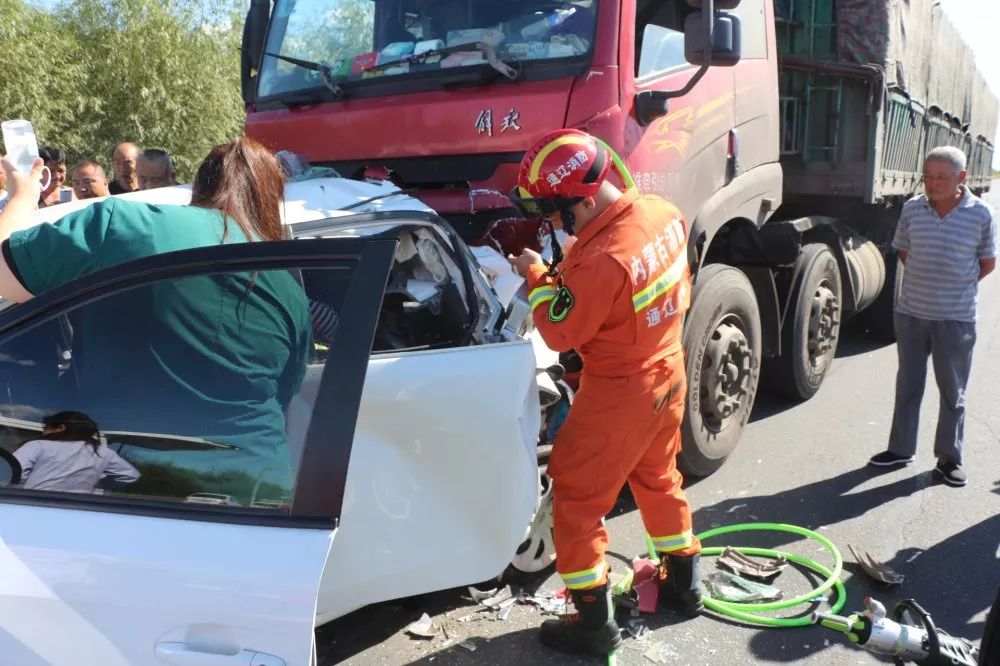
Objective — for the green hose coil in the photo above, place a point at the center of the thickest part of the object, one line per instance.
(747, 612)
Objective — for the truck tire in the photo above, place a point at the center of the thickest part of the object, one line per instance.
(722, 341)
(812, 325)
(877, 318)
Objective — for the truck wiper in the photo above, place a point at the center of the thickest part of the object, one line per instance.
(325, 69)
(495, 62)
(469, 75)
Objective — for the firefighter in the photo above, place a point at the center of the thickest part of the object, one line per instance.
(618, 298)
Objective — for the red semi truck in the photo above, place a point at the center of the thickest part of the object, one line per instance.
(788, 132)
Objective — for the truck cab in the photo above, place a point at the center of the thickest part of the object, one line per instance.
(784, 131)
(452, 128)
(443, 97)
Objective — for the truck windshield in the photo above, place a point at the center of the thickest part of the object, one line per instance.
(363, 40)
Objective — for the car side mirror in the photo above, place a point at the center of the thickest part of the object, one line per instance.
(10, 469)
(725, 39)
(711, 37)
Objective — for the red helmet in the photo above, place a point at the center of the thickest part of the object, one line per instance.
(566, 164)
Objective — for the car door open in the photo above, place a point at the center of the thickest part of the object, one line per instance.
(444, 480)
(194, 526)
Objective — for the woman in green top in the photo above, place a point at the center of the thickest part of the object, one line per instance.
(217, 357)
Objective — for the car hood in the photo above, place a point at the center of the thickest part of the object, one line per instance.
(305, 200)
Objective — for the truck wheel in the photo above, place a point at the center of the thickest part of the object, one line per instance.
(810, 332)
(877, 318)
(722, 342)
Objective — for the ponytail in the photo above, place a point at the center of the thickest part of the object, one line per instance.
(76, 427)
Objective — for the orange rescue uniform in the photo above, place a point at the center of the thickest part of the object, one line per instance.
(619, 300)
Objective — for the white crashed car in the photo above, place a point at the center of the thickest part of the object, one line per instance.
(412, 459)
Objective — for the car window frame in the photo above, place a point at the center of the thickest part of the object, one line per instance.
(318, 493)
(446, 239)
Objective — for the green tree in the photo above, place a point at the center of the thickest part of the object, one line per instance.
(39, 81)
(164, 75)
(91, 74)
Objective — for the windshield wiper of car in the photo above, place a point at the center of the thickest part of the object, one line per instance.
(511, 73)
(325, 69)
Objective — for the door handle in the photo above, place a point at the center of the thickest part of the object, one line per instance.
(178, 654)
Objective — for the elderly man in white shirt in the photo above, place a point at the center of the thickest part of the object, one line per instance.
(947, 238)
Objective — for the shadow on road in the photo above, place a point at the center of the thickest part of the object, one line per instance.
(936, 578)
(501, 649)
(854, 341)
(813, 505)
(767, 405)
(354, 633)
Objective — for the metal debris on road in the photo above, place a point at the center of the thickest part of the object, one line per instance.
(504, 612)
(636, 629)
(549, 604)
(480, 595)
(725, 586)
(468, 645)
(423, 628)
(743, 565)
(499, 598)
(883, 573)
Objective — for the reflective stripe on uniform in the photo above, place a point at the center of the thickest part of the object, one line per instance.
(668, 544)
(582, 580)
(666, 281)
(541, 295)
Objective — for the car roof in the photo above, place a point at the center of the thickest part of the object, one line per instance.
(305, 201)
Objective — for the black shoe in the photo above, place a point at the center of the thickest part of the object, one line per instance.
(591, 630)
(888, 459)
(951, 473)
(680, 585)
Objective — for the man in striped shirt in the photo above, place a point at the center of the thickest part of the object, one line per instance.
(946, 238)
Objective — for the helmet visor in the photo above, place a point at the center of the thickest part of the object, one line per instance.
(538, 207)
(532, 207)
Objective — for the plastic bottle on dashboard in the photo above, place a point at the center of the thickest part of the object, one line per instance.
(542, 28)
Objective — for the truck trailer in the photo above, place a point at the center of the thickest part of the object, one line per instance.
(788, 132)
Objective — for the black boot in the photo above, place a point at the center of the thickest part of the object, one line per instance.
(680, 586)
(591, 629)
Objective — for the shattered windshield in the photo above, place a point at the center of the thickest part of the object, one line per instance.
(358, 40)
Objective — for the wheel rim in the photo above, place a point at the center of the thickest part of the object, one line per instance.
(824, 323)
(725, 374)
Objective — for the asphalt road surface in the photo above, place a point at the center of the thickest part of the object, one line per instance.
(798, 463)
